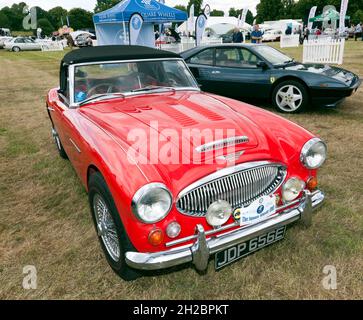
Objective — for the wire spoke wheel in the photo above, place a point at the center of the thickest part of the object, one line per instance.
(289, 98)
(106, 227)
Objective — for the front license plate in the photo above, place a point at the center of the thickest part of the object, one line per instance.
(243, 249)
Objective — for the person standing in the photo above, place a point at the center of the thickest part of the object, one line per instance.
(70, 41)
(288, 30)
(237, 36)
(256, 35)
(358, 31)
(306, 33)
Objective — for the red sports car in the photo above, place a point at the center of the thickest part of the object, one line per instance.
(175, 175)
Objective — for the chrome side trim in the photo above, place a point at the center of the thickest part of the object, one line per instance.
(78, 149)
(220, 144)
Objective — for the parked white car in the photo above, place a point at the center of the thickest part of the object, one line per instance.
(272, 35)
(22, 44)
(3, 40)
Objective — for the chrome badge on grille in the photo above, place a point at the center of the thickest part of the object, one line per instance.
(220, 144)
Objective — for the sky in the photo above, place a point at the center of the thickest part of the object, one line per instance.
(90, 4)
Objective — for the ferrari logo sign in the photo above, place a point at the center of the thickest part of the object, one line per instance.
(272, 79)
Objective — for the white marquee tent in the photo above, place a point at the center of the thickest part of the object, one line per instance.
(217, 25)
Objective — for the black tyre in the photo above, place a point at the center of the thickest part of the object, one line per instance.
(16, 49)
(58, 144)
(290, 97)
(111, 233)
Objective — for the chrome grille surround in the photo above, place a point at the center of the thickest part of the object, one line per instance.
(239, 185)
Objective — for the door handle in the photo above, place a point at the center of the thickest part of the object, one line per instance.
(216, 72)
(50, 109)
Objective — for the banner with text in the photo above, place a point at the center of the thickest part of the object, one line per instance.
(242, 18)
(311, 15)
(343, 11)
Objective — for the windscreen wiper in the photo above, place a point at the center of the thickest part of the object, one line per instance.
(150, 88)
(102, 96)
(289, 61)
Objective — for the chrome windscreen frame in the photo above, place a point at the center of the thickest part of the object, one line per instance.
(72, 68)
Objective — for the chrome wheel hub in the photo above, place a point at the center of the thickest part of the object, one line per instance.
(289, 98)
(106, 227)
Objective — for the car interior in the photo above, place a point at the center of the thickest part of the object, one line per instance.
(125, 77)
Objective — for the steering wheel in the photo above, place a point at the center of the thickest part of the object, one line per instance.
(103, 88)
(173, 79)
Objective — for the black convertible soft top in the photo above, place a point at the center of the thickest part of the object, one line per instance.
(109, 53)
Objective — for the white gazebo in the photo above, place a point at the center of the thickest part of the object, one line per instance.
(217, 26)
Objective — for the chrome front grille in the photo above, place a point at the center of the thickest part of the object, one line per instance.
(239, 185)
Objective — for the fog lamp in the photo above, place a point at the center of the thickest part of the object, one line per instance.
(292, 189)
(173, 229)
(218, 213)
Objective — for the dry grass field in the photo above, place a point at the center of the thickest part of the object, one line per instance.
(45, 219)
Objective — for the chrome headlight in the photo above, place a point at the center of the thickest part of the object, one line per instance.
(292, 188)
(313, 153)
(152, 202)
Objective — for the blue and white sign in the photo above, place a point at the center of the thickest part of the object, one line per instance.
(148, 4)
(135, 24)
(200, 25)
(257, 211)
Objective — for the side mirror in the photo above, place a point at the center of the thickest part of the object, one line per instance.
(262, 64)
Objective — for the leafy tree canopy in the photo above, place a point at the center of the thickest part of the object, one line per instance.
(46, 26)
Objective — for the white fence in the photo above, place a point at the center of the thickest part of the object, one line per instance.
(52, 46)
(289, 41)
(324, 51)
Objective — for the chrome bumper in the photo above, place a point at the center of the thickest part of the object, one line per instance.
(200, 251)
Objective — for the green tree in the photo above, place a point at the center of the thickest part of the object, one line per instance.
(302, 7)
(56, 15)
(46, 26)
(269, 10)
(357, 17)
(197, 6)
(103, 5)
(80, 19)
(288, 9)
(15, 15)
(216, 13)
(180, 7)
(236, 13)
(4, 21)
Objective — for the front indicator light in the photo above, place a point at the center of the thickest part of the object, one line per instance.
(156, 237)
(312, 183)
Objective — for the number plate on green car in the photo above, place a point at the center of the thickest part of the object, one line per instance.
(243, 249)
